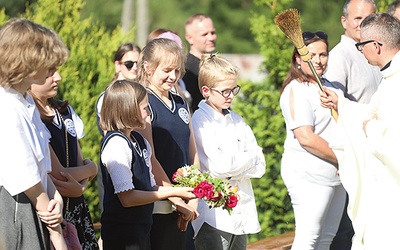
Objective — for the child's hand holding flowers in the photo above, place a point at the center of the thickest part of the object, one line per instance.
(216, 192)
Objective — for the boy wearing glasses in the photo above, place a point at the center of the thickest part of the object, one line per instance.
(227, 149)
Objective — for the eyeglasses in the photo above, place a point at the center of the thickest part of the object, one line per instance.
(360, 45)
(227, 92)
(129, 64)
(309, 35)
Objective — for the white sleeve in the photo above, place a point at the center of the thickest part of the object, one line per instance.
(117, 157)
(257, 162)
(226, 153)
(338, 70)
(302, 113)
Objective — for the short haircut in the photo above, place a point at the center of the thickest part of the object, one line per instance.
(346, 6)
(383, 28)
(214, 69)
(26, 47)
(196, 17)
(160, 51)
(120, 109)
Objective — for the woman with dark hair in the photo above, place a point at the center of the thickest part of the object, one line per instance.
(125, 61)
(309, 166)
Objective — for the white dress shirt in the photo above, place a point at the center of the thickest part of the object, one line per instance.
(24, 144)
(227, 148)
(350, 71)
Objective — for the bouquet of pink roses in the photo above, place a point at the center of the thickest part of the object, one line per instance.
(216, 192)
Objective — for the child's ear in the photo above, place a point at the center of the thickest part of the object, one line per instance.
(205, 91)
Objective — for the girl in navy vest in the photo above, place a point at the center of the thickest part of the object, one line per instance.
(129, 185)
(70, 172)
(169, 131)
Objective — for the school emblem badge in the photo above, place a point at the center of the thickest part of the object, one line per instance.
(184, 115)
(69, 124)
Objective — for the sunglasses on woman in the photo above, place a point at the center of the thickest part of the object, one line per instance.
(309, 35)
(129, 64)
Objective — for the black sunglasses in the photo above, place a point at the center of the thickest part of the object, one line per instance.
(129, 64)
(360, 45)
(309, 35)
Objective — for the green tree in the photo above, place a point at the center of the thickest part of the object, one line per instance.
(322, 16)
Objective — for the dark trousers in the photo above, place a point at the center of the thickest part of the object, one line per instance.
(344, 235)
(139, 244)
(165, 234)
(189, 237)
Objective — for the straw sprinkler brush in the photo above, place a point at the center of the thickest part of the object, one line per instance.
(289, 22)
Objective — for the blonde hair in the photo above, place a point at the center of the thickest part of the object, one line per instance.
(120, 109)
(26, 47)
(214, 69)
(160, 51)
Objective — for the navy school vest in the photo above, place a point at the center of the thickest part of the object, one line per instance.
(117, 221)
